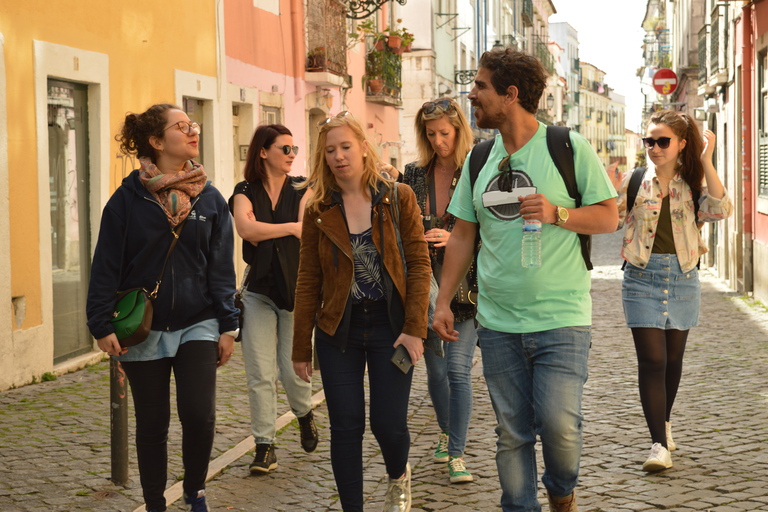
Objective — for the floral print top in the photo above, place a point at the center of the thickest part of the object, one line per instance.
(640, 224)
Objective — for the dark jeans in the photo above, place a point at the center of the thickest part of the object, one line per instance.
(194, 368)
(370, 341)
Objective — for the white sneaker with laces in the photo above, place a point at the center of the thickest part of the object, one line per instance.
(658, 459)
(671, 446)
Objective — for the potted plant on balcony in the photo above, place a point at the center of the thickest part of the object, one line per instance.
(407, 41)
(368, 29)
(395, 35)
(374, 69)
(316, 59)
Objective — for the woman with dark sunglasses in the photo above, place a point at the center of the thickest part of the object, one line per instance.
(443, 139)
(662, 245)
(268, 209)
(168, 198)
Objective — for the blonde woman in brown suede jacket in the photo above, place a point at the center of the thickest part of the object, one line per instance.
(353, 291)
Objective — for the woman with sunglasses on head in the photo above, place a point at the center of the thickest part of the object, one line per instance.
(268, 208)
(443, 139)
(662, 245)
(364, 297)
(168, 199)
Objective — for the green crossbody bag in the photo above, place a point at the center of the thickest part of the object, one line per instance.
(132, 318)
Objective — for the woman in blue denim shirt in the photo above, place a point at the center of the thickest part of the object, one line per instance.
(662, 245)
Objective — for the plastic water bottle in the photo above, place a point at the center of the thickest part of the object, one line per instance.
(531, 243)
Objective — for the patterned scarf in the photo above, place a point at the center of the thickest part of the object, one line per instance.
(173, 191)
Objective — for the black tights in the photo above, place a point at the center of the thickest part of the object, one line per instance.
(659, 367)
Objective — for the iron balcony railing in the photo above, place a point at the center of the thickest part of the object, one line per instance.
(718, 37)
(541, 51)
(703, 51)
(527, 14)
(326, 37)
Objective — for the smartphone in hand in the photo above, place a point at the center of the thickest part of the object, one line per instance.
(402, 359)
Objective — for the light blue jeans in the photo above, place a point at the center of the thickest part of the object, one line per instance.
(536, 382)
(449, 382)
(267, 345)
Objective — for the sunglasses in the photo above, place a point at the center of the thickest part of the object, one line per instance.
(431, 106)
(185, 127)
(327, 120)
(663, 142)
(288, 148)
(506, 183)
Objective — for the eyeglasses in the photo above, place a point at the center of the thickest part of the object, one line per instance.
(431, 106)
(185, 127)
(663, 142)
(505, 180)
(288, 148)
(330, 118)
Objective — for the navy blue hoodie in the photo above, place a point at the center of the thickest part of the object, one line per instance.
(199, 280)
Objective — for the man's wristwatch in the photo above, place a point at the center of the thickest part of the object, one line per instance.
(561, 216)
(234, 333)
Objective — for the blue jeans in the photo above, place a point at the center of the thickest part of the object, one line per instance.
(267, 345)
(450, 386)
(536, 382)
(369, 342)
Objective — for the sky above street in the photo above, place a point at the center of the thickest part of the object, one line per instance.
(610, 37)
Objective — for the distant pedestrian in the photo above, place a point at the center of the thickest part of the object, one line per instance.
(268, 211)
(363, 300)
(535, 323)
(195, 321)
(443, 139)
(662, 245)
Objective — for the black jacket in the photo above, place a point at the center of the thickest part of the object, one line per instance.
(199, 280)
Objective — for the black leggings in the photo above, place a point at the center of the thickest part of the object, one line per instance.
(194, 368)
(659, 367)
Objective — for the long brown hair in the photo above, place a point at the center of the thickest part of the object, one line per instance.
(457, 119)
(689, 165)
(263, 137)
(322, 180)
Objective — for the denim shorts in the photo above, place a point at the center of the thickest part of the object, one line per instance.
(661, 296)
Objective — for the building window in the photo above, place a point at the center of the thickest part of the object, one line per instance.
(270, 115)
(762, 160)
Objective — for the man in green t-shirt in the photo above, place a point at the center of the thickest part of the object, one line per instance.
(535, 323)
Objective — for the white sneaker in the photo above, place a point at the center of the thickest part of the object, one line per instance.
(659, 459)
(671, 446)
(398, 497)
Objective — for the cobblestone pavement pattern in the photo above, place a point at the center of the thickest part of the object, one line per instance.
(54, 436)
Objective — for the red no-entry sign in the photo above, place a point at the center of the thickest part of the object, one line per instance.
(665, 81)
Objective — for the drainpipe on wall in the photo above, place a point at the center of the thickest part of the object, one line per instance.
(299, 52)
(747, 131)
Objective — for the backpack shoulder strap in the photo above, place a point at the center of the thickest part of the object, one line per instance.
(477, 159)
(634, 186)
(561, 152)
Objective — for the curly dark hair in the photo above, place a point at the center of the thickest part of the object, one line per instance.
(511, 67)
(138, 128)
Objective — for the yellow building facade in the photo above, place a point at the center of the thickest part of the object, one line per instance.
(69, 72)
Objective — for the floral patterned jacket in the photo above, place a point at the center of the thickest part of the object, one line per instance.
(640, 224)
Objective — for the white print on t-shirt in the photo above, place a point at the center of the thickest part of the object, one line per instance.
(508, 210)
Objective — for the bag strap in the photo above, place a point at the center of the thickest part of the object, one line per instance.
(477, 159)
(176, 233)
(396, 219)
(561, 152)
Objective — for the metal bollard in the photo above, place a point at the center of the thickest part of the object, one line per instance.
(118, 421)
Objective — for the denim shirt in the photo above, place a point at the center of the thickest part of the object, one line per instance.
(640, 224)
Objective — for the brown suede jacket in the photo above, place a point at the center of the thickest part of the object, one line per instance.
(326, 268)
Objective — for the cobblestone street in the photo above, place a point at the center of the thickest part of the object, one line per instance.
(55, 454)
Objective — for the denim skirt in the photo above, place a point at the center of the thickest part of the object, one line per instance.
(661, 296)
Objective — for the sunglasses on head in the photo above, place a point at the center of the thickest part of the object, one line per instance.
(431, 106)
(663, 142)
(288, 148)
(327, 120)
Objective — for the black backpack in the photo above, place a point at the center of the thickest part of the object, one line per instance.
(561, 152)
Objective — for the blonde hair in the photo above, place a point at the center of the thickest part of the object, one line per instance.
(322, 180)
(457, 119)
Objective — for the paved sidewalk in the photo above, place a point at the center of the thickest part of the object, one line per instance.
(54, 436)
